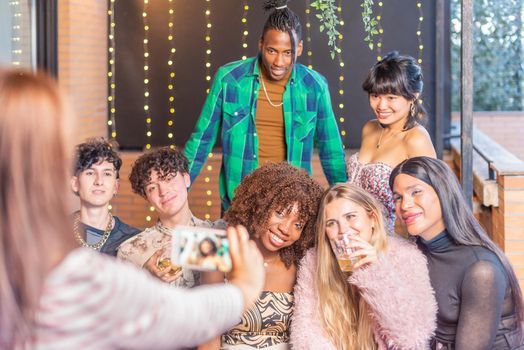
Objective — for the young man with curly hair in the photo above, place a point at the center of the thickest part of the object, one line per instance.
(161, 176)
(95, 182)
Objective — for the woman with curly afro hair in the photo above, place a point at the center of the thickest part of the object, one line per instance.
(278, 204)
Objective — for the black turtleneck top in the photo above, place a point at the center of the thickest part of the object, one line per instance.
(475, 308)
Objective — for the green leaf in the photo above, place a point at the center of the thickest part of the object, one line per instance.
(327, 13)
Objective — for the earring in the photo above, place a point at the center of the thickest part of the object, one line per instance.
(412, 108)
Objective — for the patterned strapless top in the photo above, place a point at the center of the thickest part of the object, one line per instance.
(374, 178)
(265, 324)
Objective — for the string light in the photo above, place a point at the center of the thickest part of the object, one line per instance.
(245, 31)
(308, 47)
(171, 72)
(111, 69)
(380, 30)
(209, 192)
(341, 65)
(16, 31)
(419, 31)
(207, 39)
(147, 90)
(147, 111)
(209, 168)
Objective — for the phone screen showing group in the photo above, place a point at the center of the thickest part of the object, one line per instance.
(200, 248)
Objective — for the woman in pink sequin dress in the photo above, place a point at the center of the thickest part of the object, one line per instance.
(394, 85)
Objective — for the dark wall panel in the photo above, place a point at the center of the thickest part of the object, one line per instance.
(400, 19)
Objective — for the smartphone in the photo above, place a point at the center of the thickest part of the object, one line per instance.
(200, 248)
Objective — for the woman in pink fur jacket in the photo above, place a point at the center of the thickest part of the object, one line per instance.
(385, 303)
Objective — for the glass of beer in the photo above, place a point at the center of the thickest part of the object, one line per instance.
(342, 250)
(165, 261)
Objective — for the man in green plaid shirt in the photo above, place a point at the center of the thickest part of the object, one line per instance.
(269, 108)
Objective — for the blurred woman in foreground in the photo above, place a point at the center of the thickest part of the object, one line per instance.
(54, 295)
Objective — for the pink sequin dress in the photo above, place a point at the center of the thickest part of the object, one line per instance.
(374, 178)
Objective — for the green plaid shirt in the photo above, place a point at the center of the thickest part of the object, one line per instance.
(231, 107)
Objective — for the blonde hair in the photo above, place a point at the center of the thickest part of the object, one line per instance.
(34, 166)
(345, 315)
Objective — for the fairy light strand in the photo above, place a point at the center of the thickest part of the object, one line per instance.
(147, 54)
(245, 32)
(419, 32)
(380, 29)
(147, 91)
(419, 37)
(16, 33)
(207, 39)
(111, 69)
(308, 47)
(341, 64)
(171, 76)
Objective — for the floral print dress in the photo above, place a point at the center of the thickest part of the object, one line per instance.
(374, 178)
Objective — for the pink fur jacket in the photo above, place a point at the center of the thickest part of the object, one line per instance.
(396, 288)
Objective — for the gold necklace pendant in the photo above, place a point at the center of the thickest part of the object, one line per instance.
(380, 142)
(98, 244)
(380, 138)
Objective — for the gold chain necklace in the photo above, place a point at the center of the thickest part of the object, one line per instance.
(98, 244)
(267, 96)
(380, 137)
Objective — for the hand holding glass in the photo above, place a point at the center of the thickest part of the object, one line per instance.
(341, 248)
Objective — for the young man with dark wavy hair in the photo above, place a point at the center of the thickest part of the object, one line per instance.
(95, 181)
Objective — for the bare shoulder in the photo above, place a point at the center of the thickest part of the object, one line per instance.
(371, 127)
(418, 142)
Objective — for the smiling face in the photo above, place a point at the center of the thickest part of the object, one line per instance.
(96, 185)
(390, 109)
(344, 216)
(418, 205)
(168, 194)
(282, 229)
(277, 54)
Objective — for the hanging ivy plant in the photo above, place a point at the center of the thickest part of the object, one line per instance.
(329, 21)
(370, 22)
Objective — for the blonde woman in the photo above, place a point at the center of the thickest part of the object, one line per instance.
(385, 303)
